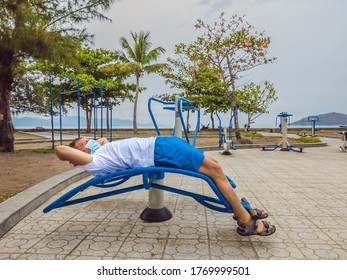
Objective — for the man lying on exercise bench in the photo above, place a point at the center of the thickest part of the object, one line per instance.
(99, 157)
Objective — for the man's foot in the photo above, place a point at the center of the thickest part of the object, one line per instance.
(262, 228)
(256, 214)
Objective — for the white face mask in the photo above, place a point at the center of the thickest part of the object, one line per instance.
(93, 145)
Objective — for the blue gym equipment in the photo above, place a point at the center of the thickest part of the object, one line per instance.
(313, 120)
(153, 177)
(222, 132)
(284, 145)
(79, 96)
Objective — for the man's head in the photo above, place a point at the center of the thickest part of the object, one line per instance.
(80, 144)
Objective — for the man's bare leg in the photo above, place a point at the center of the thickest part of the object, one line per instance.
(211, 168)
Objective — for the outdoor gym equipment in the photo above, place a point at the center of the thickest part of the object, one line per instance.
(52, 78)
(284, 145)
(344, 139)
(222, 132)
(60, 93)
(152, 179)
(79, 95)
(110, 109)
(313, 120)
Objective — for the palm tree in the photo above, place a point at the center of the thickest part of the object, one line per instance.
(139, 58)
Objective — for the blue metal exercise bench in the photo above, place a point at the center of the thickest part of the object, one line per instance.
(149, 175)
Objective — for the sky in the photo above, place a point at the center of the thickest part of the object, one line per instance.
(308, 37)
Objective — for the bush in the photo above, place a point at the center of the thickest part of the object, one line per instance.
(307, 140)
(252, 134)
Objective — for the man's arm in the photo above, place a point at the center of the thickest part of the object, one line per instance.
(72, 155)
(102, 141)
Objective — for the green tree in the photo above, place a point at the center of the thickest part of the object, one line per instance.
(92, 76)
(198, 82)
(40, 30)
(254, 100)
(233, 47)
(138, 58)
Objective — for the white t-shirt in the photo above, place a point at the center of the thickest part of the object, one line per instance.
(121, 155)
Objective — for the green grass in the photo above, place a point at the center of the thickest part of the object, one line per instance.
(252, 134)
(308, 140)
(42, 150)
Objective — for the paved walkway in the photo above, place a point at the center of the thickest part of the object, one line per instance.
(305, 194)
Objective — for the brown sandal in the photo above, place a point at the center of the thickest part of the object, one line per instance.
(247, 230)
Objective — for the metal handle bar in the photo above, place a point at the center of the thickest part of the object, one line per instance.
(183, 104)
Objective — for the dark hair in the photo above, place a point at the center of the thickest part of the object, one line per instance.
(73, 143)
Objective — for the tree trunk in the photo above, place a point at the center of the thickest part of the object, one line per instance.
(233, 105)
(187, 125)
(135, 104)
(6, 126)
(88, 118)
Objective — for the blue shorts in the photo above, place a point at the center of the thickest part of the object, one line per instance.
(174, 152)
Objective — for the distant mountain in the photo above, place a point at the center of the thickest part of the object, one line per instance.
(69, 122)
(325, 119)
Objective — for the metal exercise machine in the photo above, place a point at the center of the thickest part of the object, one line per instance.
(284, 144)
(228, 143)
(313, 120)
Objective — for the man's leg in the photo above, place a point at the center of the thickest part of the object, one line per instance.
(211, 168)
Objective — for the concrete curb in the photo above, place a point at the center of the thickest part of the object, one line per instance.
(19, 206)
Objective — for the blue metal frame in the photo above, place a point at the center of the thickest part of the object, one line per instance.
(289, 147)
(222, 136)
(183, 104)
(149, 175)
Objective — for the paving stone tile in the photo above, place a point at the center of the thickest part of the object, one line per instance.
(113, 229)
(309, 236)
(289, 222)
(103, 205)
(36, 256)
(185, 217)
(338, 235)
(220, 218)
(232, 250)
(149, 230)
(55, 245)
(187, 231)
(141, 248)
(98, 246)
(94, 216)
(4, 256)
(18, 243)
(323, 251)
(186, 249)
(76, 228)
(328, 222)
(277, 251)
(224, 233)
(61, 214)
(38, 226)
